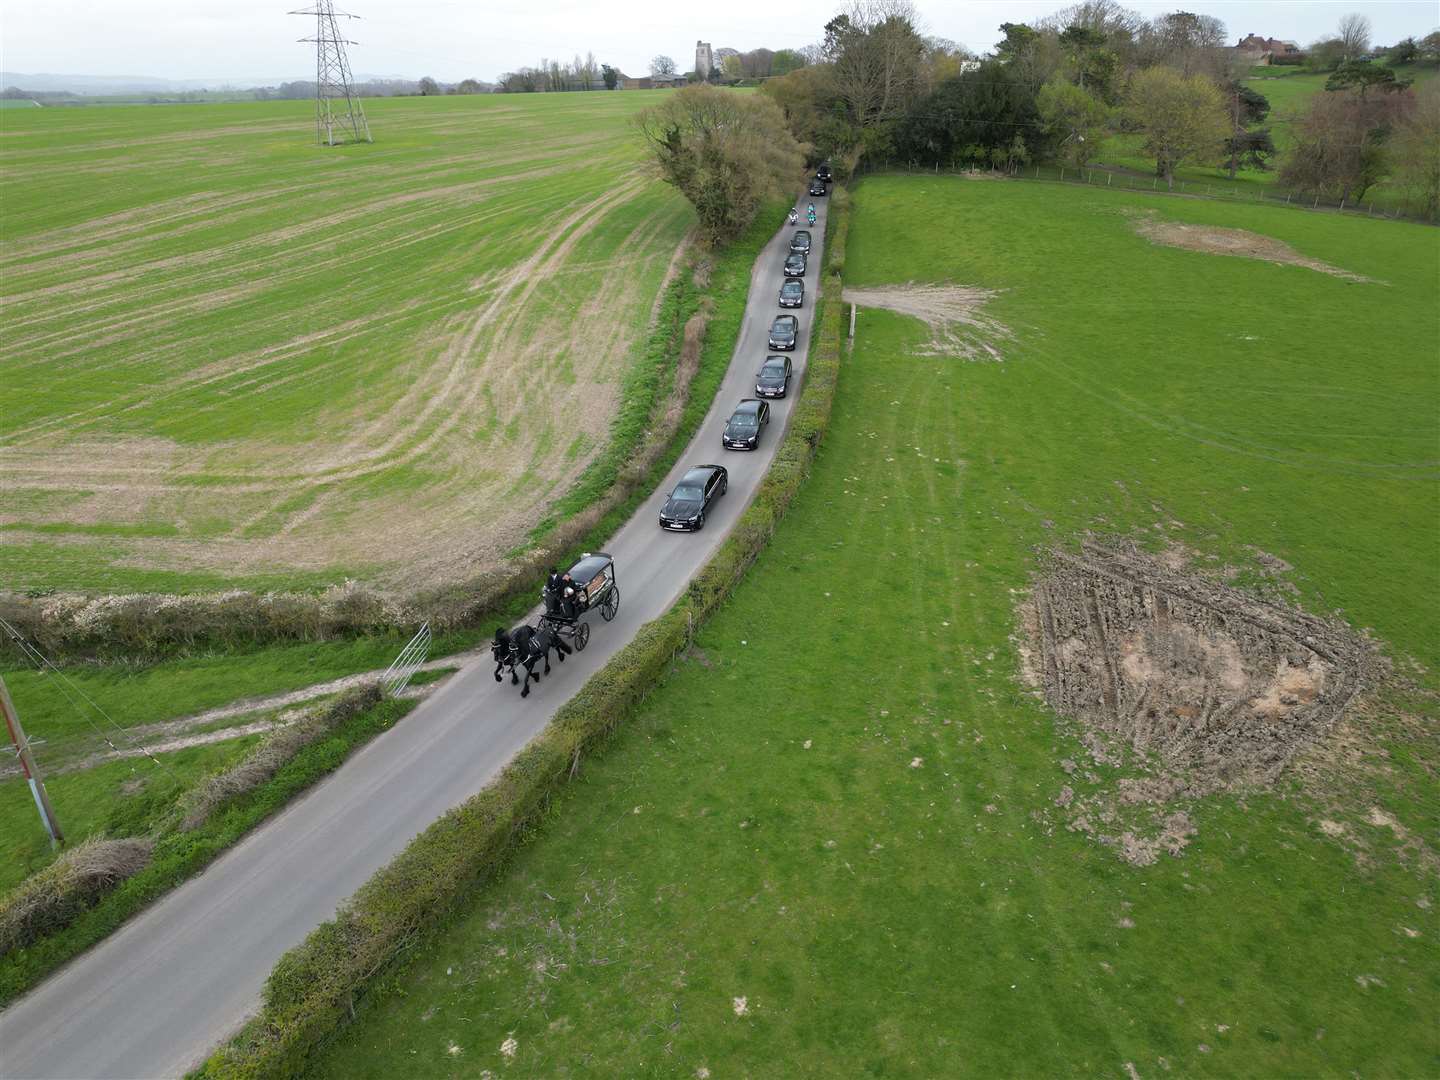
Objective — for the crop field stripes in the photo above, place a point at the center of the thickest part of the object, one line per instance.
(451, 323)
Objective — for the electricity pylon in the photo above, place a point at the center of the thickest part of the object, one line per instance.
(339, 117)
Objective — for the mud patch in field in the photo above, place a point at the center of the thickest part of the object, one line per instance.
(1211, 688)
(958, 324)
(1241, 242)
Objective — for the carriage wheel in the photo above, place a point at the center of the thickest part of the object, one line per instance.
(582, 636)
(611, 604)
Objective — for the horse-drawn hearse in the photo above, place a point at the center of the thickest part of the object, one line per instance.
(587, 586)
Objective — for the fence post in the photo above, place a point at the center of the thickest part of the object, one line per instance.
(1288, 196)
(1342, 204)
(1155, 183)
(1037, 172)
(1317, 203)
(1108, 178)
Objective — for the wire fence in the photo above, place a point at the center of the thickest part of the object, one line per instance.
(1124, 180)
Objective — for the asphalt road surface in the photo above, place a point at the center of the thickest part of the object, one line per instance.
(156, 996)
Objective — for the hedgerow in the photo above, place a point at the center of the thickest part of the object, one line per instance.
(82, 912)
(314, 987)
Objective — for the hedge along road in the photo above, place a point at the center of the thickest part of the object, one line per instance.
(160, 993)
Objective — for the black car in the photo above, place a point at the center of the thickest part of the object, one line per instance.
(792, 294)
(800, 242)
(817, 186)
(823, 172)
(795, 264)
(784, 331)
(742, 430)
(685, 509)
(773, 378)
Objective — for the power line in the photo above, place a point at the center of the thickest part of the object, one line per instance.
(45, 667)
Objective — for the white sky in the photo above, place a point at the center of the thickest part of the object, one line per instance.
(451, 39)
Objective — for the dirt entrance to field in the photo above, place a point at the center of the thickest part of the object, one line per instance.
(1206, 687)
(1241, 242)
(958, 324)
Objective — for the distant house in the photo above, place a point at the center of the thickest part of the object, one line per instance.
(1259, 50)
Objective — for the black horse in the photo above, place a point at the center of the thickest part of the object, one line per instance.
(525, 646)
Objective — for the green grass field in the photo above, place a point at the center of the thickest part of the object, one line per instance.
(815, 852)
(236, 357)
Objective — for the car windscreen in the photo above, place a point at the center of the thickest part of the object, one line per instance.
(791, 288)
(687, 493)
(773, 371)
(742, 422)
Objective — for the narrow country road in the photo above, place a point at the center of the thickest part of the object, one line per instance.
(153, 999)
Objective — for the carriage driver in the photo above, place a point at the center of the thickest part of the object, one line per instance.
(567, 596)
(554, 587)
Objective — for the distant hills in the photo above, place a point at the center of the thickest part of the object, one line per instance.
(45, 83)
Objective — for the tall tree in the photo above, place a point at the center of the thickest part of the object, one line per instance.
(723, 151)
(662, 65)
(1074, 119)
(968, 117)
(1417, 152)
(1342, 143)
(1188, 42)
(1354, 36)
(1181, 116)
(1245, 108)
(610, 75)
(876, 53)
(429, 86)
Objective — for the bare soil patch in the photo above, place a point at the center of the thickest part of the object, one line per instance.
(958, 324)
(1241, 242)
(1212, 688)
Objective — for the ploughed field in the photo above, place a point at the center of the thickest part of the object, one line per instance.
(1080, 718)
(233, 357)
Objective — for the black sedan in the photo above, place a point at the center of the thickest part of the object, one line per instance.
(792, 294)
(784, 331)
(742, 430)
(823, 172)
(795, 264)
(685, 510)
(800, 242)
(817, 186)
(773, 379)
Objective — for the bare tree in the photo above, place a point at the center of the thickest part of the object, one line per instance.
(1190, 43)
(663, 65)
(876, 50)
(1417, 152)
(1354, 36)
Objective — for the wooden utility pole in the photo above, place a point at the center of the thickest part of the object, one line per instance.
(27, 764)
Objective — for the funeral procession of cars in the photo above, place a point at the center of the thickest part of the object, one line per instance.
(697, 490)
(591, 584)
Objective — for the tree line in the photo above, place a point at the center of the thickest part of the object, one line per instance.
(1058, 88)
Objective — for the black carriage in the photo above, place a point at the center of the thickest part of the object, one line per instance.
(590, 587)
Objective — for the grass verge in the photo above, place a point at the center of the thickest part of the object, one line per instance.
(179, 854)
(315, 986)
